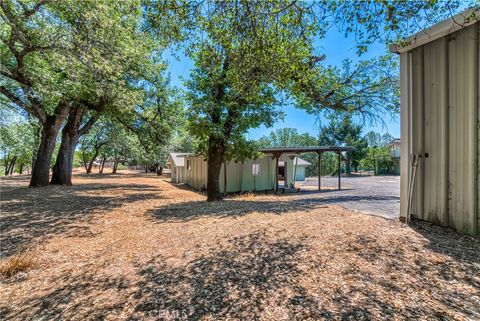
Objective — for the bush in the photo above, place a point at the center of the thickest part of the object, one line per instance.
(121, 167)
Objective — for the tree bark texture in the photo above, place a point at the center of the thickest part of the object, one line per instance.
(12, 165)
(41, 167)
(348, 170)
(62, 170)
(216, 153)
(9, 164)
(217, 144)
(115, 166)
(71, 132)
(102, 165)
(224, 178)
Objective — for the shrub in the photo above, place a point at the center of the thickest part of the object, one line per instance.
(121, 167)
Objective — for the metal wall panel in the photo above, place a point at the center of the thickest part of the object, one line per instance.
(406, 132)
(435, 132)
(418, 131)
(478, 127)
(441, 105)
(462, 129)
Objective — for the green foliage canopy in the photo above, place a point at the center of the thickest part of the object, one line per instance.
(70, 51)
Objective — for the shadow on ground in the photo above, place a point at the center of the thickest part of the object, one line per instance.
(257, 276)
(254, 277)
(231, 282)
(262, 276)
(425, 278)
(71, 297)
(28, 214)
(185, 211)
(463, 248)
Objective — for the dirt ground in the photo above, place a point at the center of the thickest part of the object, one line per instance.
(134, 247)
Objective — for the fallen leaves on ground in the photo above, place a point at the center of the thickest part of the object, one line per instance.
(136, 247)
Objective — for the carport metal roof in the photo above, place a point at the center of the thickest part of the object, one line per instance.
(305, 149)
(278, 151)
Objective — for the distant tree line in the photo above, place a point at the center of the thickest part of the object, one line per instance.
(371, 153)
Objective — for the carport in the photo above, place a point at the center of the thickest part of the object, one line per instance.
(277, 152)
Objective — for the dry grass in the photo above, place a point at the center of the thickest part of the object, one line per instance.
(135, 247)
(245, 196)
(16, 263)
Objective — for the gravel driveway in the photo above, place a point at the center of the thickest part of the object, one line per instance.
(377, 195)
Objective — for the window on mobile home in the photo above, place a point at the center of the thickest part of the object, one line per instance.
(255, 169)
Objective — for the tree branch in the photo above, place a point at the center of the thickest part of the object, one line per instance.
(36, 105)
(20, 103)
(13, 98)
(90, 122)
(36, 7)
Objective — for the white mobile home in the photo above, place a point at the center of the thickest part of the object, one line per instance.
(440, 125)
(176, 163)
(299, 168)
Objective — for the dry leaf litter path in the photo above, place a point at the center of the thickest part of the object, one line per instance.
(134, 247)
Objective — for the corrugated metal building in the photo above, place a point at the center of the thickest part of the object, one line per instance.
(440, 126)
(251, 175)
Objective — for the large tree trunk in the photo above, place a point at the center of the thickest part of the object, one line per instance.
(115, 166)
(348, 170)
(216, 153)
(62, 170)
(41, 167)
(102, 165)
(225, 178)
(12, 165)
(90, 165)
(5, 164)
(50, 127)
(38, 135)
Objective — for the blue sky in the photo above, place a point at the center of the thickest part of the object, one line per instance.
(336, 47)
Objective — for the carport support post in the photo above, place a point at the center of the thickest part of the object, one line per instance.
(319, 170)
(277, 156)
(225, 178)
(295, 171)
(339, 168)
